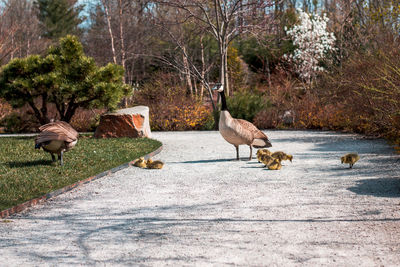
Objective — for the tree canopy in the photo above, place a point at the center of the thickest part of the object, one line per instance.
(63, 76)
(58, 18)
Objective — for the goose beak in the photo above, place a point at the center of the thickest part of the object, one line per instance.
(269, 144)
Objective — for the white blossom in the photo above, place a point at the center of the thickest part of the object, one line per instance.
(313, 43)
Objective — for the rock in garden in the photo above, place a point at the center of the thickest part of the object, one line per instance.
(128, 122)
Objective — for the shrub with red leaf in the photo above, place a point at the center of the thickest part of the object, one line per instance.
(171, 108)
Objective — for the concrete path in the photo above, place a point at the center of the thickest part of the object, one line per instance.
(204, 209)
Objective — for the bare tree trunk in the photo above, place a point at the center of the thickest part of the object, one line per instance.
(203, 68)
(267, 69)
(123, 52)
(195, 86)
(108, 17)
(12, 45)
(121, 36)
(28, 48)
(222, 67)
(226, 75)
(187, 71)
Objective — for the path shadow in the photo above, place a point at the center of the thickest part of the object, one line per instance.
(19, 164)
(339, 143)
(144, 227)
(381, 187)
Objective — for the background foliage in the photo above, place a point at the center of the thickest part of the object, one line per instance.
(169, 59)
(65, 77)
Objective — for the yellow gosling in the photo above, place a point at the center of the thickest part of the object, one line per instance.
(289, 157)
(263, 151)
(266, 159)
(157, 164)
(350, 158)
(282, 156)
(141, 163)
(275, 165)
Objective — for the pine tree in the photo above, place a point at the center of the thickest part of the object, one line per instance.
(64, 76)
(58, 18)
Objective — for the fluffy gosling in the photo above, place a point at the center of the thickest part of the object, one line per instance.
(157, 164)
(141, 163)
(263, 151)
(275, 165)
(282, 156)
(350, 158)
(266, 159)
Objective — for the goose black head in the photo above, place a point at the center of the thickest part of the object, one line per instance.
(218, 87)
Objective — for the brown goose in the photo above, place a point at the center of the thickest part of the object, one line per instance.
(56, 138)
(237, 131)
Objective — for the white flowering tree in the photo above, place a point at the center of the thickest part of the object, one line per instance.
(313, 44)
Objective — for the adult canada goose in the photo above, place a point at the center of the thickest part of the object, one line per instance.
(239, 132)
(56, 138)
(350, 158)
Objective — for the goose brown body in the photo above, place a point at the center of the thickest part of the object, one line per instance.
(240, 132)
(56, 138)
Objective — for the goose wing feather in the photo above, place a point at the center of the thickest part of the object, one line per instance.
(59, 130)
(260, 139)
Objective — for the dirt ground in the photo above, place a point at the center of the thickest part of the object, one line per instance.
(206, 209)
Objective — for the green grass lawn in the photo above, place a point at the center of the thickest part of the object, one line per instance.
(26, 173)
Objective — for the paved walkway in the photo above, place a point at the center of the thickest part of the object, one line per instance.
(205, 209)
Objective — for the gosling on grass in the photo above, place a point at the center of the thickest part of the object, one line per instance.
(141, 163)
(262, 151)
(157, 164)
(350, 158)
(275, 165)
(282, 156)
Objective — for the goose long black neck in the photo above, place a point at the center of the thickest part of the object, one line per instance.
(223, 101)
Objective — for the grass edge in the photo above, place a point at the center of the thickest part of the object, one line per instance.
(32, 202)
